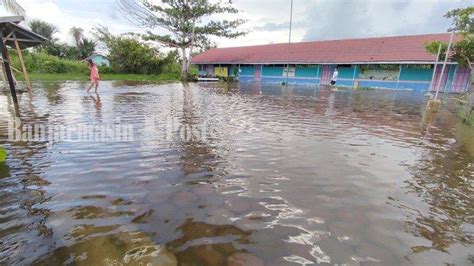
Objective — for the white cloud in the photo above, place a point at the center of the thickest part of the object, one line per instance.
(268, 19)
(86, 14)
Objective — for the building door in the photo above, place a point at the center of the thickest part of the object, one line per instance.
(257, 73)
(327, 74)
(210, 70)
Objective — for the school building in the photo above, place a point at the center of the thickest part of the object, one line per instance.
(400, 62)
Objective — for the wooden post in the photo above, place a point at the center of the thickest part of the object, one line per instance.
(8, 70)
(4, 79)
(22, 62)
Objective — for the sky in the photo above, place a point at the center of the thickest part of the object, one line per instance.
(268, 20)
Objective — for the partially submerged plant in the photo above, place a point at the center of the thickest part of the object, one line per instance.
(3, 154)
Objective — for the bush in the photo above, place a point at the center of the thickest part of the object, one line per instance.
(131, 56)
(45, 63)
(106, 70)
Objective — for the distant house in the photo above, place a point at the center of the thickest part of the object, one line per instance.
(99, 59)
(399, 62)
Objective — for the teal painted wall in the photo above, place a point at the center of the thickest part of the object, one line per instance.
(416, 74)
(246, 70)
(100, 60)
(346, 72)
(451, 74)
(307, 72)
(232, 70)
(272, 71)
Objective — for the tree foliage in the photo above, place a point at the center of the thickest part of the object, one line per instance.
(463, 19)
(77, 33)
(462, 51)
(128, 55)
(84, 47)
(187, 23)
(44, 29)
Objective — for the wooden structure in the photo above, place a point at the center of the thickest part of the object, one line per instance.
(17, 37)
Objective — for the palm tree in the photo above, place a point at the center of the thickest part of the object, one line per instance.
(77, 33)
(13, 7)
(87, 48)
(44, 29)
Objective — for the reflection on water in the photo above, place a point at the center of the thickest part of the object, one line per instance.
(237, 175)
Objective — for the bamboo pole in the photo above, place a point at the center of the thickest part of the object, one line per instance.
(435, 69)
(12, 67)
(22, 62)
(444, 65)
(289, 44)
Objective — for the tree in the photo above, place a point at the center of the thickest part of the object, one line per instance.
(77, 33)
(128, 55)
(87, 48)
(84, 46)
(187, 23)
(46, 30)
(462, 51)
(463, 20)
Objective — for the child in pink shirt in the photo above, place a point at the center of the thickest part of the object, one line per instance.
(94, 75)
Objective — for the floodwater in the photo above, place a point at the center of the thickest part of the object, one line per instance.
(239, 175)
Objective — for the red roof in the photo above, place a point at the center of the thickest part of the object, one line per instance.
(370, 50)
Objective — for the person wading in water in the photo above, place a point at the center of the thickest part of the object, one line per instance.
(94, 75)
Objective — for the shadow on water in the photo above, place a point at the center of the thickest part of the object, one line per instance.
(239, 174)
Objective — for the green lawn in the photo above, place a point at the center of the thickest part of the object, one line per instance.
(84, 77)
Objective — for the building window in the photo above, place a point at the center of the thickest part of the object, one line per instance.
(422, 66)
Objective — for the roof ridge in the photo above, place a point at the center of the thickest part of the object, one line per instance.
(335, 40)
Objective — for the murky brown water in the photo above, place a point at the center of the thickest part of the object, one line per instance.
(237, 176)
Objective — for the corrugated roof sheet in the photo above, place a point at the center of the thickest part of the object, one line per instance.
(368, 50)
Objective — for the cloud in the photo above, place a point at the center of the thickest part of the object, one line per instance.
(268, 20)
(342, 19)
(86, 14)
(272, 26)
(339, 19)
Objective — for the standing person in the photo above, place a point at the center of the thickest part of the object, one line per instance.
(94, 75)
(334, 76)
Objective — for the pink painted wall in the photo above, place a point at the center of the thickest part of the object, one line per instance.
(257, 73)
(327, 74)
(460, 80)
(437, 76)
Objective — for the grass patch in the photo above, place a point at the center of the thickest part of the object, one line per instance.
(85, 77)
(470, 120)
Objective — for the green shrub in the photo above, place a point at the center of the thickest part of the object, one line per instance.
(45, 63)
(106, 70)
(131, 56)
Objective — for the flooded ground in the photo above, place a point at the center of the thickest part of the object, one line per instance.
(245, 175)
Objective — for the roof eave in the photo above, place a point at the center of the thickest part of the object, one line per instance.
(410, 62)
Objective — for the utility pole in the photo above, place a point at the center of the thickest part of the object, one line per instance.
(289, 44)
